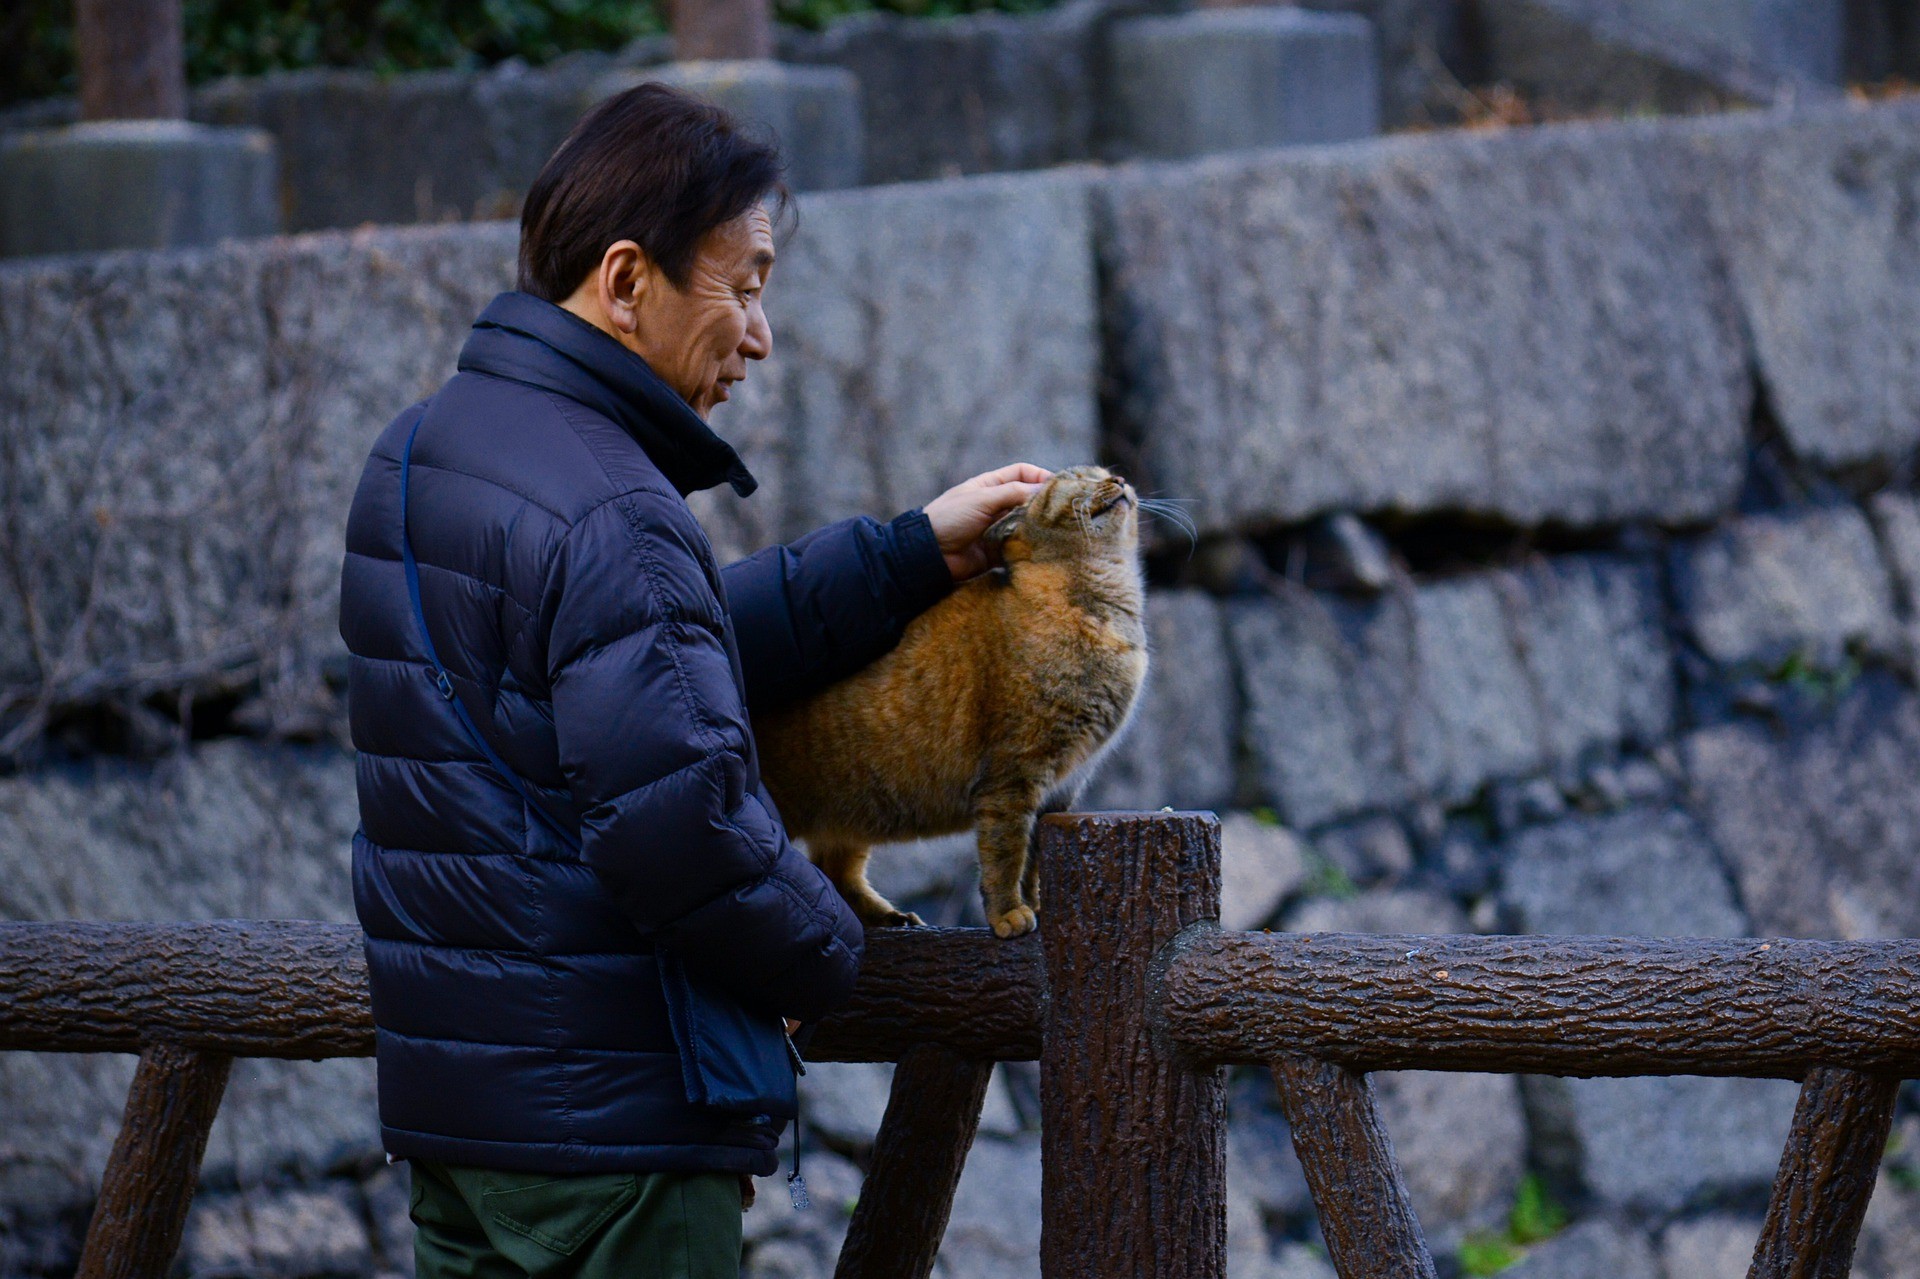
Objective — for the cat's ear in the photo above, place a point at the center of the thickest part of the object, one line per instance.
(1008, 526)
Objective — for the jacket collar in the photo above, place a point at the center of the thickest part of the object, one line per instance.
(524, 339)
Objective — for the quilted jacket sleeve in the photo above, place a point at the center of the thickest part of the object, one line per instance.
(817, 610)
(654, 743)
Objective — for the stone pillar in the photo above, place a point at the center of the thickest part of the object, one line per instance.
(133, 174)
(134, 184)
(1239, 79)
(813, 111)
(1806, 38)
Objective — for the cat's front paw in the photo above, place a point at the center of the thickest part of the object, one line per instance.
(1016, 923)
(896, 919)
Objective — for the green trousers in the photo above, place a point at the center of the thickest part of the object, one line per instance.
(475, 1223)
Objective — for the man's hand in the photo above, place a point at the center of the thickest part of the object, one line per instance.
(961, 514)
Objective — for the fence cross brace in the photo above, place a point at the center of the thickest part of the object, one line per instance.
(155, 1164)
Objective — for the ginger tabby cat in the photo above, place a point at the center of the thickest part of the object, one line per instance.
(987, 713)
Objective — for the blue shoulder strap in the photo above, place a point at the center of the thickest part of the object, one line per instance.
(444, 682)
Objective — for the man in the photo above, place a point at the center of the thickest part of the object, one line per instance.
(581, 909)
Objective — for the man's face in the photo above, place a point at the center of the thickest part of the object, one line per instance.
(699, 339)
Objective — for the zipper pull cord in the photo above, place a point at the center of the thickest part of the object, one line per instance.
(796, 1184)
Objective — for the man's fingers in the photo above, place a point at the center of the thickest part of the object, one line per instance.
(1014, 473)
(1009, 495)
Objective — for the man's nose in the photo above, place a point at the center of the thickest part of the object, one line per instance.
(758, 344)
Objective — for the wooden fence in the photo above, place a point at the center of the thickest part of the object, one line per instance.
(1133, 1000)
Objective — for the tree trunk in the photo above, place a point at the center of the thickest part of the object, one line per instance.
(132, 59)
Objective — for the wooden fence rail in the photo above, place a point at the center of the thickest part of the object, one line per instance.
(1134, 1002)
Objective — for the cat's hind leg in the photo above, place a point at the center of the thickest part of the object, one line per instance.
(846, 865)
(1003, 824)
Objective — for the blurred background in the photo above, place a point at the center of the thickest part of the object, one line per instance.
(1540, 379)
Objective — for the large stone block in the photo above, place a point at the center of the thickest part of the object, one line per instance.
(972, 94)
(1462, 1141)
(1896, 517)
(1889, 1245)
(1526, 325)
(1804, 37)
(925, 867)
(134, 184)
(231, 830)
(1310, 750)
(1660, 1144)
(1819, 826)
(182, 435)
(1354, 706)
(1715, 1246)
(286, 1232)
(845, 1100)
(1587, 56)
(1636, 873)
(1656, 1143)
(1764, 587)
(814, 112)
(1591, 630)
(994, 1232)
(1262, 1164)
(1591, 1250)
(1261, 865)
(1179, 748)
(1216, 80)
(1813, 215)
(922, 334)
(1436, 690)
(358, 148)
(361, 147)
(1420, 41)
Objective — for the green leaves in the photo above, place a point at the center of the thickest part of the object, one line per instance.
(814, 14)
(246, 37)
(1535, 1216)
(250, 37)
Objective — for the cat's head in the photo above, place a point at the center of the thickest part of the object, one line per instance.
(1082, 510)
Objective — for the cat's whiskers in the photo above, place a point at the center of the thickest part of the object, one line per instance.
(1166, 509)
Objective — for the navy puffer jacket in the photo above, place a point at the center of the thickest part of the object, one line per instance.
(577, 606)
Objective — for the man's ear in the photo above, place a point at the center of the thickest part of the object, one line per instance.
(625, 275)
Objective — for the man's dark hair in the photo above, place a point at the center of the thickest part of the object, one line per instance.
(653, 165)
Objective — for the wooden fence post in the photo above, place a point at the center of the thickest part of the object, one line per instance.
(155, 1164)
(132, 59)
(1133, 1139)
(1826, 1176)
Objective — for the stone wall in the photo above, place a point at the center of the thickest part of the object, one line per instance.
(1559, 572)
